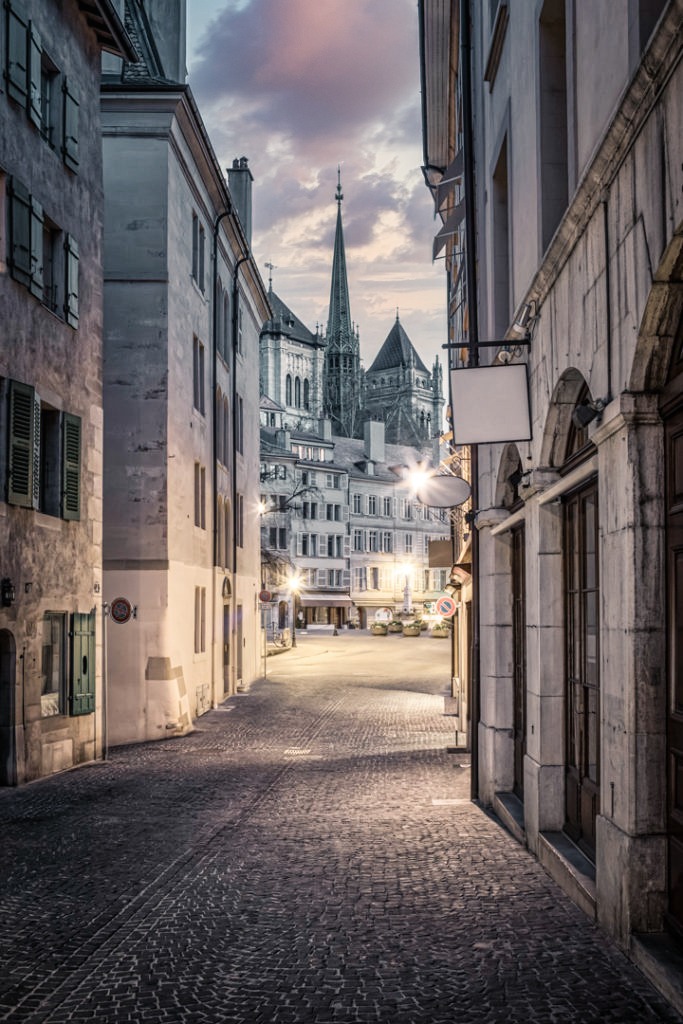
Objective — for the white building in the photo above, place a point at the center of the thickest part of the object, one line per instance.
(578, 201)
(184, 305)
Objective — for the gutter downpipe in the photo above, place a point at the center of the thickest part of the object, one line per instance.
(235, 326)
(471, 257)
(214, 452)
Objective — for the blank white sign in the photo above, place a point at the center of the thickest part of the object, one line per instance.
(490, 404)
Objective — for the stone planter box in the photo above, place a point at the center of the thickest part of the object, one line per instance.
(439, 632)
(395, 627)
(411, 630)
(378, 629)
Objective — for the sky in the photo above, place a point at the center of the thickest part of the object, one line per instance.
(302, 87)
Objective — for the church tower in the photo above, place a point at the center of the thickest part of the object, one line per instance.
(342, 348)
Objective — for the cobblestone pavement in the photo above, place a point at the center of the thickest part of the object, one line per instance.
(308, 855)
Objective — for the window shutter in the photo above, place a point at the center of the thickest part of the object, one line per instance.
(22, 399)
(299, 544)
(36, 236)
(347, 547)
(70, 147)
(322, 577)
(321, 510)
(35, 467)
(82, 692)
(71, 290)
(345, 513)
(20, 232)
(322, 545)
(346, 578)
(17, 54)
(34, 60)
(71, 466)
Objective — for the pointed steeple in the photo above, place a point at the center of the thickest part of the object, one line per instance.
(339, 327)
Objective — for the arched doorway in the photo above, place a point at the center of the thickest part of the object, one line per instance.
(8, 753)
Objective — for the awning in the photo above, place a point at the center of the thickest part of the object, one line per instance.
(325, 601)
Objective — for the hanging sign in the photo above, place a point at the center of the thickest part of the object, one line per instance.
(490, 404)
(445, 607)
(443, 491)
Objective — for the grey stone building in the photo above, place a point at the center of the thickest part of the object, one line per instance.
(577, 202)
(184, 306)
(50, 384)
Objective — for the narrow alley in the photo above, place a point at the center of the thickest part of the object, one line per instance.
(308, 855)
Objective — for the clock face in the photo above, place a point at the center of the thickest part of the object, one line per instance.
(120, 610)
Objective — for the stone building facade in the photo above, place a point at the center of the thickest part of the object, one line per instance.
(578, 218)
(184, 306)
(50, 384)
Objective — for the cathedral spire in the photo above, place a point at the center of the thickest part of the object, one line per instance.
(339, 319)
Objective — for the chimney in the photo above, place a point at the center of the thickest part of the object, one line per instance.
(283, 439)
(373, 434)
(325, 428)
(239, 181)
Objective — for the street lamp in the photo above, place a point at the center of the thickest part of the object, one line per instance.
(295, 587)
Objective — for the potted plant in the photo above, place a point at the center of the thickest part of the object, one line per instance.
(423, 624)
(378, 629)
(395, 626)
(439, 629)
(411, 629)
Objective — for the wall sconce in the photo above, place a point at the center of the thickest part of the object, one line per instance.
(7, 594)
(585, 413)
(523, 323)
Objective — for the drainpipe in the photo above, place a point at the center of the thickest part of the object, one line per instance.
(235, 329)
(470, 234)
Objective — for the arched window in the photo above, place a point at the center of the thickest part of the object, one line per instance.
(297, 393)
(306, 394)
(226, 433)
(220, 537)
(219, 426)
(288, 390)
(219, 317)
(226, 325)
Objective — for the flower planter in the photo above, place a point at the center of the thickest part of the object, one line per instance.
(439, 632)
(378, 630)
(411, 630)
(395, 627)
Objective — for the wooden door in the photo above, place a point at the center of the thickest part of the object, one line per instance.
(582, 685)
(8, 759)
(519, 658)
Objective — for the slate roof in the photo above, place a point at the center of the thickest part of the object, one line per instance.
(397, 350)
(285, 322)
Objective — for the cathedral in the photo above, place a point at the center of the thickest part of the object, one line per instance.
(309, 377)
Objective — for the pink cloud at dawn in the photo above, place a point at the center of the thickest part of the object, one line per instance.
(300, 87)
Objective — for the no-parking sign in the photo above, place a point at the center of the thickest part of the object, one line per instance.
(445, 607)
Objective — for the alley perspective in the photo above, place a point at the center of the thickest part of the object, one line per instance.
(308, 854)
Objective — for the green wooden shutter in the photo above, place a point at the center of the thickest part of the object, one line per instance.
(82, 690)
(20, 484)
(70, 146)
(71, 288)
(36, 237)
(17, 54)
(35, 52)
(20, 232)
(35, 467)
(71, 466)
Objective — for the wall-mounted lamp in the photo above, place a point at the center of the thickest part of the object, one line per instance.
(588, 411)
(7, 593)
(523, 323)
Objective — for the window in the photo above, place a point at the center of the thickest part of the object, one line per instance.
(372, 540)
(198, 374)
(360, 579)
(53, 667)
(374, 578)
(339, 545)
(282, 538)
(330, 545)
(387, 506)
(227, 512)
(288, 390)
(195, 246)
(553, 136)
(239, 331)
(408, 543)
(202, 244)
(387, 542)
(226, 431)
(282, 472)
(199, 496)
(338, 513)
(358, 544)
(357, 503)
(332, 480)
(240, 521)
(219, 428)
(306, 394)
(239, 425)
(334, 577)
(297, 393)
(501, 245)
(44, 455)
(330, 512)
(372, 505)
(199, 620)
(53, 267)
(272, 537)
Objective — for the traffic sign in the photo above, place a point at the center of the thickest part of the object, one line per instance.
(121, 610)
(445, 607)
(265, 596)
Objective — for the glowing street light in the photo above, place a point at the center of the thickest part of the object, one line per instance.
(294, 582)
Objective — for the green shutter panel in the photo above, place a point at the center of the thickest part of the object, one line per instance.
(35, 467)
(70, 147)
(82, 691)
(22, 399)
(71, 466)
(71, 289)
(35, 109)
(36, 236)
(20, 232)
(17, 54)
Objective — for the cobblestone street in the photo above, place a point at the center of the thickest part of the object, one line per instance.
(308, 855)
